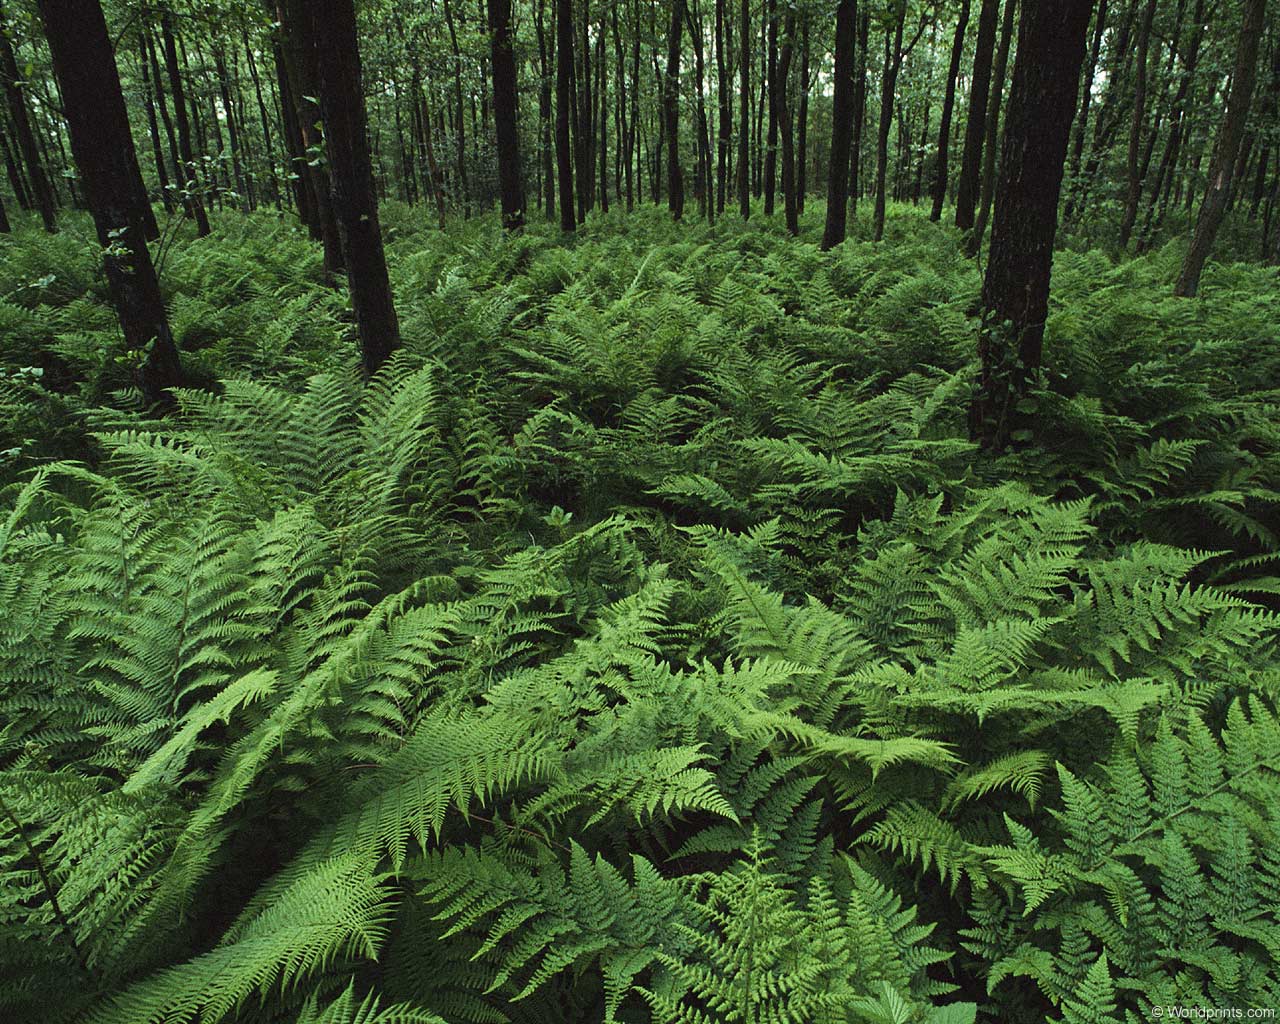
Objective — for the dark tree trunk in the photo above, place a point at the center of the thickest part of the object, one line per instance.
(41, 189)
(186, 173)
(545, 56)
(841, 124)
(171, 137)
(1133, 192)
(771, 83)
(295, 148)
(671, 111)
(744, 112)
(564, 106)
(267, 141)
(301, 61)
(582, 120)
(975, 127)
(990, 145)
(888, 84)
(15, 174)
(1015, 293)
(331, 35)
(233, 133)
(506, 124)
(464, 192)
(1086, 99)
(859, 112)
(723, 100)
(153, 127)
(942, 167)
(103, 148)
(1214, 205)
(1166, 172)
(4, 219)
(802, 126)
(790, 204)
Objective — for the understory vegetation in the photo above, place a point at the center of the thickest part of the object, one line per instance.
(646, 642)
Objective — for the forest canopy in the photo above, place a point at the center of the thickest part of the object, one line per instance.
(639, 511)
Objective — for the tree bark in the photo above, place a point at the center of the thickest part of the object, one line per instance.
(186, 173)
(771, 83)
(791, 206)
(41, 189)
(841, 124)
(671, 110)
(991, 143)
(1214, 205)
(102, 145)
(564, 105)
(505, 120)
(744, 113)
(331, 35)
(859, 112)
(943, 166)
(1015, 293)
(975, 127)
(153, 126)
(1133, 192)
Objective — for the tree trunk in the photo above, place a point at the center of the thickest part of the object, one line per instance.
(1133, 193)
(774, 112)
(544, 112)
(802, 126)
(859, 112)
(744, 113)
(233, 134)
(22, 132)
(790, 204)
(1015, 293)
(266, 121)
(186, 173)
(671, 110)
(990, 146)
(888, 83)
(975, 127)
(506, 124)
(724, 108)
(841, 124)
(942, 167)
(331, 35)
(15, 175)
(564, 105)
(1214, 205)
(103, 148)
(1086, 99)
(153, 126)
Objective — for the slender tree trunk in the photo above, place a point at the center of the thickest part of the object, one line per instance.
(990, 146)
(723, 103)
(564, 106)
(331, 35)
(975, 127)
(802, 129)
(859, 111)
(233, 135)
(582, 120)
(186, 177)
(1015, 294)
(502, 61)
(790, 204)
(671, 109)
(841, 124)
(1086, 100)
(744, 113)
(942, 167)
(22, 131)
(544, 112)
(774, 111)
(267, 142)
(153, 126)
(295, 149)
(464, 191)
(103, 148)
(888, 84)
(15, 174)
(1214, 205)
(1133, 192)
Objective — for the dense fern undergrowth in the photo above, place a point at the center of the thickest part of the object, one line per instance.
(647, 643)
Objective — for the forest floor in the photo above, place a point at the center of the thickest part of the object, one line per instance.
(668, 550)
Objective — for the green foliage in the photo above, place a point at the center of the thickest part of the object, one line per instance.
(646, 643)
